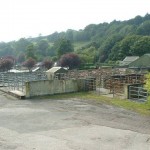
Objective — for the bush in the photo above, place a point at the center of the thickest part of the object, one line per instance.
(47, 64)
(70, 60)
(29, 63)
(147, 85)
(6, 64)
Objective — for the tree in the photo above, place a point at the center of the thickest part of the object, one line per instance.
(69, 34)
(147, 85)
(43, 46)
(51, 51)
(70, 60)
(21, 58)
(141, 46)
(21, 45)
(144, 28)
(6, 49)
(107, 46)
(53, 37)
(47, 64)
(6, 64)
(63, 47)
(123, 48)
(135, 21)
(88, 55)
(29, 63)
(30, 51)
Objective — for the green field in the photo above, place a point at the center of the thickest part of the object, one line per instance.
(78, 45)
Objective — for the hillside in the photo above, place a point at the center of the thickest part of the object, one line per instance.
(104, 42)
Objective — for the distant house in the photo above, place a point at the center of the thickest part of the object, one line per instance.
(142, 63)
(128, 60)
(56, 72)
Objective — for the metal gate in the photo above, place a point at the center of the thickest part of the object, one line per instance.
(16, 81)
(137, 92)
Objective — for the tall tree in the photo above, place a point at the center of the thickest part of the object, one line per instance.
(43, 46)
(141, 46)
(63, 46)
(6, 49)
(107, 46)
(21, 45)
(123, 48)
(30, 52)
(144, 28)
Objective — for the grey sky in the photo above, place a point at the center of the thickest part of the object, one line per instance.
(24, 18)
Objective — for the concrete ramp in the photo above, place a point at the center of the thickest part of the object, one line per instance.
(17, 94)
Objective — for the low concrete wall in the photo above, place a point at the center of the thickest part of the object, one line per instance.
(49, 87)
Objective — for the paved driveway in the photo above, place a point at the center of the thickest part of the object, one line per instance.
(70, 125)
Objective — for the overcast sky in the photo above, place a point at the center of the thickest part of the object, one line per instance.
(25, 18)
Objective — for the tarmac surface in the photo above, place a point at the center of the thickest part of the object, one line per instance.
(71, 124)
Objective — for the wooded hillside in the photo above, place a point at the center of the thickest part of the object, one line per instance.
(104, 42)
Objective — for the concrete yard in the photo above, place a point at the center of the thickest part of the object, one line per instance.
(71, 124)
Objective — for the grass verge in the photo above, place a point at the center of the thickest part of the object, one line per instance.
(142, 108)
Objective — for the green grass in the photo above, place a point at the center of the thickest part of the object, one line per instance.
(142, 108)
(51, 43)
(78, 45)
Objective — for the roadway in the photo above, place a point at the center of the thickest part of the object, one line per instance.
(70, 124)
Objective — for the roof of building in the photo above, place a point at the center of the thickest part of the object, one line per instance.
(56, 70)
(142, 62)
(36, 69)
(18, 71)
(128, 60)
(131, 58)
